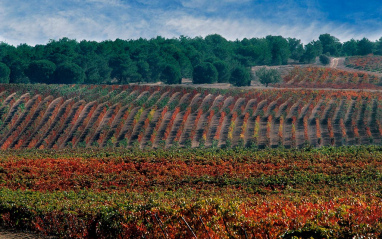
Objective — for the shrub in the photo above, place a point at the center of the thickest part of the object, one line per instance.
(171, 75)
(324, 59)
(240, 77)
(268, 76)
(69, 73)
(205, 73)
(41, 71)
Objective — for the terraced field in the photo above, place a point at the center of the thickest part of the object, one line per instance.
(325, 77)
(60, 117)
(366, 63)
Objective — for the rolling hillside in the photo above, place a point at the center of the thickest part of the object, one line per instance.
(366, 63)
(325, 77)
(57, 117)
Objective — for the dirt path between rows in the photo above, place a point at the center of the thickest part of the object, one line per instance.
(14, 234)
(334, 62)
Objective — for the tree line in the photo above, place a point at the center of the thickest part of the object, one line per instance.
(211, 59)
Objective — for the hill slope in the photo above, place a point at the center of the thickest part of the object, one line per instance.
(41, 116)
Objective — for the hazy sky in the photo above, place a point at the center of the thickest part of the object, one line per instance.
(37, 21)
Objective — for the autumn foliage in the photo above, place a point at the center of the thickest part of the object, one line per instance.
(328, 192)
(146, 161)
(142, 116)
(324, 77)
(365, 63)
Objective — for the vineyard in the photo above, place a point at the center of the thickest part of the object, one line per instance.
(138, 161)
(366, 63)
(325, 77)
(198, 193)
(46, 117)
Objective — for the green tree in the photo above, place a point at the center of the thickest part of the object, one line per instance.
(97, 70)
(296, 48)
(156, 63)
(330, 44)
(6, 49)
(364, 46)
(62, 51)
(41, 71)
(218, 46)
(223, 71)
(123, 69)
(312, 50)
(262, 50)
(205, 73)
(4, 73)
(280, 49)
(268, 76)
(240, 77)
(144, 71)
(17, 75)
(195, 57)
(349, 48)
(69, 73)
(171, 75)
(253, 52)
(378, 46)
(174, 55)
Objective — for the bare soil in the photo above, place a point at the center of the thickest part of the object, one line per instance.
(6, 233)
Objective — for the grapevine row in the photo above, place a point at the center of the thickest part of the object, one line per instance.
(167, 117)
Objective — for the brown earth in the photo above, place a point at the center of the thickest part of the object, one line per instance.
(6, 233)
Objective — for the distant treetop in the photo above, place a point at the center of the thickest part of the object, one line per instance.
(67, 61)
